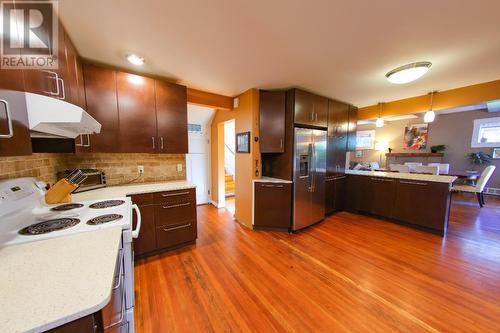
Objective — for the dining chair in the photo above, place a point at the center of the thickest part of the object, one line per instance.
(433, 170)
(479, 187)
(399, 168)
(412, 165)
(444, 168)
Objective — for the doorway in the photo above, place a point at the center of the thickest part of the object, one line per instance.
(198, 157)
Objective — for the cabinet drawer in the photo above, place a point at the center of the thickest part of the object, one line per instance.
(175, 196)
(272, 207)
(175, 213)
(168, 236)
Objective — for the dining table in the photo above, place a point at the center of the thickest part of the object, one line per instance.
(466, 175)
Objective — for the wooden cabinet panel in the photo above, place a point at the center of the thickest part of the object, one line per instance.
(272, 121)
(335, 190)
(146, 242)
(329, 196)
(63, 70)
(422, 203)
(171, 115)
(381, 193)
(136, 102)
(175, 196)
(273, 205)
(337, 137)
(310, 109)
(352, 127)
(71, 79)
(20, 142)
(100, 90)
(170, 236)
(175, 213)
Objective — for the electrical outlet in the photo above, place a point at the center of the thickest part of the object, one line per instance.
(179, 167)
(140, 169)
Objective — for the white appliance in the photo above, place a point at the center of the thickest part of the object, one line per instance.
(48, 116)
(24, 217)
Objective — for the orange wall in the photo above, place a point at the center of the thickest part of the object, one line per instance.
(246, 120)
(470, 95)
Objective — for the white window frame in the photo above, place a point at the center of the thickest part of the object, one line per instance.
(371, 133)
(475, 133)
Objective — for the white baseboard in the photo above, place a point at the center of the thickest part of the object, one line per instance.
(492, 190)
(213, 203)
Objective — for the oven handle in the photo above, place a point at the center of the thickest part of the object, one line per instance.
(135, 233)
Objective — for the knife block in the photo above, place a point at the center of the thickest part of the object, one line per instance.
(60, 192)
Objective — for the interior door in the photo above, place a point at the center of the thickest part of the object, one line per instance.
(303, 172)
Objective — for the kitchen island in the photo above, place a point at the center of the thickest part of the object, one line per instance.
(419, 200)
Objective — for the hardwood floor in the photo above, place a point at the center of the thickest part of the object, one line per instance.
(350, 273)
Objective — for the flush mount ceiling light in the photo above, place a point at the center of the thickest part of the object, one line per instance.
(135, 59)
(408, 73)
(430, 115)
(380, 120)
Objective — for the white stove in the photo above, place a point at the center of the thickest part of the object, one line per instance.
(24, 217)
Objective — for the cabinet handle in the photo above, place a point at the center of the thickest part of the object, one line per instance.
(315, 117)
(153, 138)
(412, 183)
(178, 227)
(178, 205)
(56, 79)
(88, 139)
(274, 186)
(81, 141)
(174, 194)
(311, 116)
(281, 143)
(9, 120)
(161, 143)
(382, 179)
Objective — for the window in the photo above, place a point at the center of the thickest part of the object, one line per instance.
(365, 139)
(486, 133)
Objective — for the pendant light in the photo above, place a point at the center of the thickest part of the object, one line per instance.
(380, 120)
(430, 115)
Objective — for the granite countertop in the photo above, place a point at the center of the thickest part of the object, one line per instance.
(130, 189)
(271, 180)
(409, 176)
(45, 284)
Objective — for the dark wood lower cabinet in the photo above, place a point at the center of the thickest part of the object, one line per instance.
(88, 324)
(335, 193)
(420, 203)
(273, 205)
(168, 220)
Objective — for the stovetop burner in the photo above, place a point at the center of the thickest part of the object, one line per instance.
(66, 207)
(107, 204)
(49, 226)
(104, 219)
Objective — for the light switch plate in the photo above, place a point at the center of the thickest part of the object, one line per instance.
(179, 167)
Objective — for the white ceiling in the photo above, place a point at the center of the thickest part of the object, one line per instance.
(341, 49)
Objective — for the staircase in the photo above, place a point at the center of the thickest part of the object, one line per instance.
(229, 185)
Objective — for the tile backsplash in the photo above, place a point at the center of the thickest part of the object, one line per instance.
(41, 166)
(122, 168)
(119, 168)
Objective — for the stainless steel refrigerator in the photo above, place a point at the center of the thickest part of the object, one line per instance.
(309, 171)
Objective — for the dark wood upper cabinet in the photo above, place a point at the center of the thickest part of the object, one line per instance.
(310, 109)
(136, 102)
(15, 139)
(338, 114)
(102, 104)
(71, 81)
(171, 115)
(351, 129)
(272, 121)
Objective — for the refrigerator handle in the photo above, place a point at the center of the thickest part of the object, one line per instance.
(313, 174)
(310, 165)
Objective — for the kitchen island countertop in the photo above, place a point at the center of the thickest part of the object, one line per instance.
(45, 284)
(409, 176)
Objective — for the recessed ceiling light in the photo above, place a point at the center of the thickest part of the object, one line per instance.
(408, 73)
(135, 59)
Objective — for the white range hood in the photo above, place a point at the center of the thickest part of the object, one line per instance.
(52, 117)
